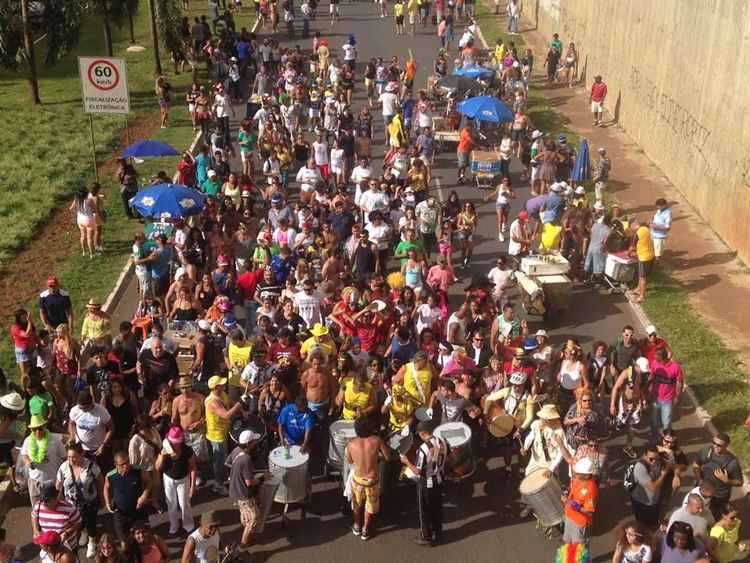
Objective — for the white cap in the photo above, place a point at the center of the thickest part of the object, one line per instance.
(650, 329)
(556, 187)
(211, 173)
(642, 364)
(516, 64)
(203, 324)
(541, 332)
(518, 378)
(247, 436)
(584, 466)
(179, 273)
(599, 206)
(536, 134)
(580, 190)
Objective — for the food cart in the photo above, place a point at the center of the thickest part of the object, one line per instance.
(486, 167)
(545, 287)
(444, 132)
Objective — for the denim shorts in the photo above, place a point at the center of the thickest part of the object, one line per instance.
(24, 355)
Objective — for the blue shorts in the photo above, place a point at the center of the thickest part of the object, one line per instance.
(463, 159)
(24, 355)
(387, 119)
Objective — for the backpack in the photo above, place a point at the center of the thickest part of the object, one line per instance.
(628, 479)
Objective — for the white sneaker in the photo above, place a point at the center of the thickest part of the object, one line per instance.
(91, 550)
(501, 237)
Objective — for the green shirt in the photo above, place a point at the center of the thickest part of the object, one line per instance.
(211, 187)
(403, 248)
(246, 141)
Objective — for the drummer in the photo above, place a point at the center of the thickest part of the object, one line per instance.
(452, 405)
(416, 377)
(356, 398)
(542, 442)
(295, 424)
(400, 408)
(507, 413)
(320, 387)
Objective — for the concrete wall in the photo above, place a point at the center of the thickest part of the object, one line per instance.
(677, 72)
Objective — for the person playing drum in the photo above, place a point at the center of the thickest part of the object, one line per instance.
(507, 413)
(319, 386)
(296, 424)
(416, 377)
(362, 454)
(452, 406)
(400, 408)
(542, 443)
(356, 397)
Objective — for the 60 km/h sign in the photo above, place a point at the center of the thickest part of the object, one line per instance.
(104, 85)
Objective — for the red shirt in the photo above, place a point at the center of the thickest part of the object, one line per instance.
(278, 351)
(248, 281)
(649, 350)
(20, 341)
(598, 91)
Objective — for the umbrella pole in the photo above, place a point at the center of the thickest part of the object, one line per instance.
(127, 132)
(93, 147)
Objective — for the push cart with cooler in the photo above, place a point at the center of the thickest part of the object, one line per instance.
(545, 287)
(619, 271)
(486, 168)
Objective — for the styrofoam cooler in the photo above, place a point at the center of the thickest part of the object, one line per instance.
(620, 268)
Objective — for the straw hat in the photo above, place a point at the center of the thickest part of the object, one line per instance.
(93, 303)
(183, 382)
(548, 412)
(12, 401)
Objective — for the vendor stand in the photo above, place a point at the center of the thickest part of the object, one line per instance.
(545, 286)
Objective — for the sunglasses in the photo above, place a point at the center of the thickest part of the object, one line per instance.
(652, 459)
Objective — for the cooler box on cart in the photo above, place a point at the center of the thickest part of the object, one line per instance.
(620, 267)
(557, 291)
(486, 162)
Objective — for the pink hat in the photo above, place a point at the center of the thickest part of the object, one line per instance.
(175, 435)
(225, 306)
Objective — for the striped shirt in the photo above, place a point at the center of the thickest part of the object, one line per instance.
(62, 517)
(431, 460)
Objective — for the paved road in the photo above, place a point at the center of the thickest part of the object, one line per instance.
(481, 517)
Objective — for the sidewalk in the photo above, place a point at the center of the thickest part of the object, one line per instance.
(696, 258)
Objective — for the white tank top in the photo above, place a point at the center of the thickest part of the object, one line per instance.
(570, 375)
(206, 549)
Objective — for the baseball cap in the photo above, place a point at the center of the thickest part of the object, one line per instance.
(247, 436)
(52, 280)
(175, 435)
(523, 216)
(203, 324)
(642, 364)
(650, 329)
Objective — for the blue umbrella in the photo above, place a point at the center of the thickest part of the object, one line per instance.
(582, 169)
(170, 200)
(145, 149)
(486, 108)
(474, 72)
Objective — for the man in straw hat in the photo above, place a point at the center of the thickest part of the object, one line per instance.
(12, 406)
(189, 414)
(542, 441)
(203, 543)
(42, 453)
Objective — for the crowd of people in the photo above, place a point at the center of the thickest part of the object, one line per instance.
(315, 286)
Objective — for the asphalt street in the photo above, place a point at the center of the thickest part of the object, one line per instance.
(481, 516)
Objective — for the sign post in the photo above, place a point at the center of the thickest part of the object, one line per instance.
(104, 89)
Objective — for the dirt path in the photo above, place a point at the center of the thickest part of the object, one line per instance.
(703, 265)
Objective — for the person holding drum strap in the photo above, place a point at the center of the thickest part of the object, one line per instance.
(416, 377)
(356, 397)
(362, 454)
(541, 442)
(507, 413)
(400, 408)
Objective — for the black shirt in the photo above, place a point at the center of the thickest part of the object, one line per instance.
(178, 468)
(157, 370)
(55, 307)
(99, 376)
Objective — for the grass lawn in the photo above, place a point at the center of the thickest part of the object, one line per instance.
(49, 155)
(55, 159)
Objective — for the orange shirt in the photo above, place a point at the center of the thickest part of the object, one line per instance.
(585, 493)
(464, 141)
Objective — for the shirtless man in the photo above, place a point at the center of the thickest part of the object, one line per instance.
(189, 413)
(319, 386)
(362, 455)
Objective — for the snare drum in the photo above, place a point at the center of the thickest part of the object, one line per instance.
(342, 432)
(292, 473)
(421, 415)
(543, 496)
(460, 463)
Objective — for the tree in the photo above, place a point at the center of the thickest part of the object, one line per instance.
(28, 42)
(122, 10)
(166, 17)
(154, 36)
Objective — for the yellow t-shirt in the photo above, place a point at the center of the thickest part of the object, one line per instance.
(398, 9)
(411, 7)
(354, 400)
(329, 348)
(400, 412)
(217, 429)
(424, 377)
(95, 328)
(644, 247)
(499, 53)
(239, 357)
(395, 131)
(726, 546)
(551, 236)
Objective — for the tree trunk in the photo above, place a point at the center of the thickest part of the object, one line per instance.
(131, 24)
(30, 55)
(154, 37)
(107, 28)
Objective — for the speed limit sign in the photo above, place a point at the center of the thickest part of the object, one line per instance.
(104, 85)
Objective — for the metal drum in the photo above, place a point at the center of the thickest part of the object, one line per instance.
(543, 496)
(400, 444)
(421, 415)
(292, 472)
(266, 494)
(259, 454)
(342, 432)
(460, 463)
